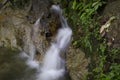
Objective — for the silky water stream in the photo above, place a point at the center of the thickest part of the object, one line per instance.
(53, 66)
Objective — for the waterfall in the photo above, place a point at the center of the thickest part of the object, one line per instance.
(53, 66)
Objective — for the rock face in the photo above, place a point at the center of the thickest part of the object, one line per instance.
(77, 64)
(37, 8)
(113, 9)
(16, 32)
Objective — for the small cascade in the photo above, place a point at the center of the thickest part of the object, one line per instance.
(53, 66)
(31, 62)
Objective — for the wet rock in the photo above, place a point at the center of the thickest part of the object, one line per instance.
(77, 64)
(39, 7)
(113, 9)
(16, 32)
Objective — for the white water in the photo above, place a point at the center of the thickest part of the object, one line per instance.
(53, 66)
(30, 62)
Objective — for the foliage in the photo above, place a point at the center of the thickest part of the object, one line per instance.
(81, 15)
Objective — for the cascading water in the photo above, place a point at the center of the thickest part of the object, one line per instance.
(53, 65)
(31, 62)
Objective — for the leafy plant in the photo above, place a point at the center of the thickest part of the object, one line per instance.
(81, 16)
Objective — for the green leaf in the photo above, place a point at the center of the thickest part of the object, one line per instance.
(74, 4)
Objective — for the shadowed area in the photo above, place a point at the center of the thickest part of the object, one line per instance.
(12, 67)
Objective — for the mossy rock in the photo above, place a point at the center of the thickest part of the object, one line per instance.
(113, 9)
